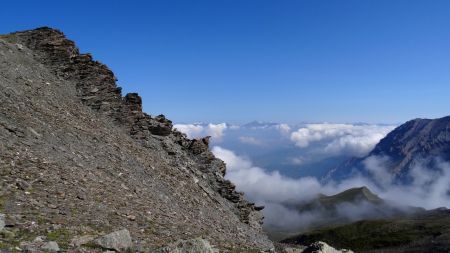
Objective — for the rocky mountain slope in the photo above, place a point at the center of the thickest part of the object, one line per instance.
(78, 161)
(418, 139)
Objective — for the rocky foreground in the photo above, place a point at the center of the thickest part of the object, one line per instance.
(84, 169)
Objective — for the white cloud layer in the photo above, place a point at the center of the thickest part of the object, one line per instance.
(262, 186)
(191, 130)
(251, 141)
(355, 140)
(429, 189)
(216, 131)
(284, 129)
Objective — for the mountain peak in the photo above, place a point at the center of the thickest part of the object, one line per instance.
(351, 195)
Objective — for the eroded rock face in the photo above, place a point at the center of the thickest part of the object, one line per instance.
(97, 88)
(90, 161)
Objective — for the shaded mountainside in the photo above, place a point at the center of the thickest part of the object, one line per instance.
(418, 139)
(78, 159)
(426, 232)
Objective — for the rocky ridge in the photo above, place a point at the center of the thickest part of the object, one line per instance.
(78, 159)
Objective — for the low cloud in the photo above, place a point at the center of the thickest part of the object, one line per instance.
(263, 186)
(216, 131)
(251, 141)
(297, 160)
(335, 139)
(284, 129)
(429, 189)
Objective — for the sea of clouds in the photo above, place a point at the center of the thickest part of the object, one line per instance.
(429, 188)
(356, 140)
(327, 138)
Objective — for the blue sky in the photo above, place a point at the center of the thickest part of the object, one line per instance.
(286, 61)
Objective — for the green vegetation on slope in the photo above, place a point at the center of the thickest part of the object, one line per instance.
(428, 230)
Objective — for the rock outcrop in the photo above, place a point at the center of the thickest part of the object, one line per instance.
(78, 158)
(321, 247)
(316, 247)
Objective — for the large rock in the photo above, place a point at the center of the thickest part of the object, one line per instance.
(39, 245)
(199, 146)
(196, 245)
(134, 102)
(50, 247)
(321, 247)
(119, 240)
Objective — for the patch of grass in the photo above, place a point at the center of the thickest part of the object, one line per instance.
(9, 239)
(61, 236)
(91, 245)
(150, 229)
(377, 234)
(8, 37)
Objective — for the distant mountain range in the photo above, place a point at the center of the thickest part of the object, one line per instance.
(418, 140)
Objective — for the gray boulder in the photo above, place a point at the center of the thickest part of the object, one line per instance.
(50, 246)
(196, 245)
(321, 247)
(39, 245)
(119, 240)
